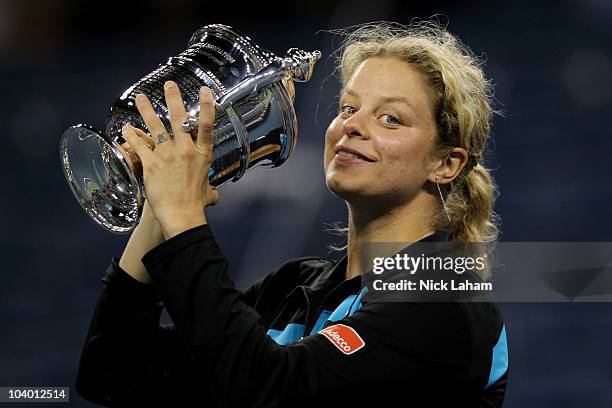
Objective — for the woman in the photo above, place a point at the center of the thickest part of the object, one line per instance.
(404, 153)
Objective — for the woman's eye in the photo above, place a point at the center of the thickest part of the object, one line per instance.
(347, 110)
(390, 119)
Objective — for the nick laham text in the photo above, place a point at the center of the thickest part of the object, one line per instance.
(433, 285)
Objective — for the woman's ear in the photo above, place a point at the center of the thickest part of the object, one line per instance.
(450, 166)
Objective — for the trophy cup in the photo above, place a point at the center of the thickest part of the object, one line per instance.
(255, 123)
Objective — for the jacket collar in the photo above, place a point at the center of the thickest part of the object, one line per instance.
(335, 274)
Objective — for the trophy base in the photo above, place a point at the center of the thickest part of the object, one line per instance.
(103, 178)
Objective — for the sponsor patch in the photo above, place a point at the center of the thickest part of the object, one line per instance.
(345, 338)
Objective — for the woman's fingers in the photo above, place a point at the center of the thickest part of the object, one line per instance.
(176, 110)
(139, 145)
(146, 138)
(210, 196)
(150, 118)
(207, 120)
(214, 194)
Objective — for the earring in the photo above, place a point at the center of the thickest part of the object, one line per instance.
(442, 198)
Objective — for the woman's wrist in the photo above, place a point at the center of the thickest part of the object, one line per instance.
(147, 235)
(150, 225)
(180, 222)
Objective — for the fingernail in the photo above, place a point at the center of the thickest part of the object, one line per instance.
(205, 91)
(125, 128)
(169, 84)
(140, 97)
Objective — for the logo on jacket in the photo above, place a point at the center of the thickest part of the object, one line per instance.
(345, 338)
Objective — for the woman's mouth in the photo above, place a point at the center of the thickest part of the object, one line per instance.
(347, 157)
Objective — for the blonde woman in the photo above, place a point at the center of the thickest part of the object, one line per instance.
(405, 154)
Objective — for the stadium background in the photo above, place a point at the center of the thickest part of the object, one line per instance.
(64, 62)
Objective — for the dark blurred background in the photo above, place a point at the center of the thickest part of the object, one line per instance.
(64, 62)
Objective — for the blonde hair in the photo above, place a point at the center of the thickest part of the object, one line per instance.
(462, 110)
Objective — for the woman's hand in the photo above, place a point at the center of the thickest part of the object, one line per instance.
(176, 170)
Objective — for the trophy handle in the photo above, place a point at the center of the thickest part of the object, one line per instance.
(297, 65)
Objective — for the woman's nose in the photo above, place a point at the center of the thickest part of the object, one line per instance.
(355, 126)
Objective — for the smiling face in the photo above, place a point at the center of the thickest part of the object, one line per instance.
(380, 145)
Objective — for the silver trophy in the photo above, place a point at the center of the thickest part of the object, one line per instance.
(255, 123)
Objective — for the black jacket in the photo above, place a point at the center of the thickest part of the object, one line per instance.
(297, 337)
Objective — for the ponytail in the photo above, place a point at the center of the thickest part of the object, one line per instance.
(470, 205)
